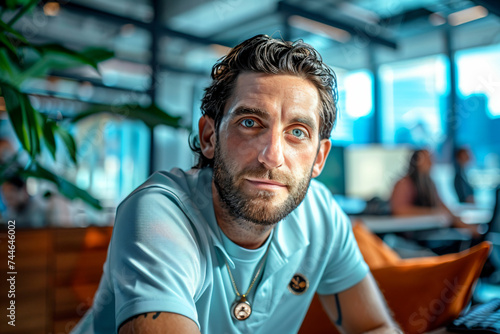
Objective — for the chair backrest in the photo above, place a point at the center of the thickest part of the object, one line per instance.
(494, 224)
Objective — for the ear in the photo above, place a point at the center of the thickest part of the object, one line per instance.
(206, 127)
(324, 149)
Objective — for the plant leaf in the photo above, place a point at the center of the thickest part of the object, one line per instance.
(5, 41)
(27, 6)
(12, 104)
(33, 124)
(97, 55)
(8, 69)
(68, 141)
(71, 191)
(151, 115)
(11, 4)
(24, 119)
(65, 187)
(56, 57)
(70, 58)
(39, 172)
(6, 27)
(48, 136)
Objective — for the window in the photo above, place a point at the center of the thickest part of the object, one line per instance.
(414, 99)
(478, 117)
(479, 103)
(113, 157)
(355, 108)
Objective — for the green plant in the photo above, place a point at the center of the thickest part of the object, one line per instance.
(21, 60)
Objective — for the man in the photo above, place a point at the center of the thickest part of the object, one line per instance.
(464, 190)
(241, 243)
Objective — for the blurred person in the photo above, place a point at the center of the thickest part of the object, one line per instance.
(28, 211)
(6, 153)
(416, 193)
(6, 150)
(58, 209)
(243, 241)
(465, 192)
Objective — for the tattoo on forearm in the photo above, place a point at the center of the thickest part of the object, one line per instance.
(137, 316)
(156, 315)
(339, 311)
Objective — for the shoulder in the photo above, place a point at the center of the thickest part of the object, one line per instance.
(318, 193)
(320, 197)
(172, 188)
(175, 180)
(405, 184)
(165, 207)
(319, 212)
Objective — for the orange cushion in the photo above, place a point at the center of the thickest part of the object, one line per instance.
(423, 293)
(375, 252)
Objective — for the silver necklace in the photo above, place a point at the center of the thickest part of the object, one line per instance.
(241, 308)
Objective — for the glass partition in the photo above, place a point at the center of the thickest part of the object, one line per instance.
(478, 117)
(414, 99)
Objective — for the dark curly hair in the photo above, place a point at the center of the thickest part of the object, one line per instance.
(427, 195)
(263, 54)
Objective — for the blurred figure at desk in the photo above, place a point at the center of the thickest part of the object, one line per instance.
(416, 193)
(26, 210)
(464, 190)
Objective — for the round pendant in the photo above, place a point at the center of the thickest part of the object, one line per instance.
(241, 309)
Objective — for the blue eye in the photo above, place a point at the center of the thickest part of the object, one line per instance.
(298, 133)
(248, 123)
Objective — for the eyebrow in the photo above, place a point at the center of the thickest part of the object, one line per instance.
(243, 110)
(308, 121)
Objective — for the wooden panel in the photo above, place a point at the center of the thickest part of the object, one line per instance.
(65, 326)
(32, 241)
(58, 272)
(79, 268)
(79, 259)
(31, 281)
(69, 239)
(35, 324)
(68, 303)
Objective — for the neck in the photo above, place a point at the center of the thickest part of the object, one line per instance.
(240, 231)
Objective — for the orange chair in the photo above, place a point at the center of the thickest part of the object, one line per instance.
(423, 293)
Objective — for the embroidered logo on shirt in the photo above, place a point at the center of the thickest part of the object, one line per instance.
(298, 285)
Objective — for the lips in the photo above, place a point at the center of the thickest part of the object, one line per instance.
(265, 183)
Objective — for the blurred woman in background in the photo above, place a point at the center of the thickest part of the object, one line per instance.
(416, 193)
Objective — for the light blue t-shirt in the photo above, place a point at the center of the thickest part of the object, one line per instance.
(168, 254)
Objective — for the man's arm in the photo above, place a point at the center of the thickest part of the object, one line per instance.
(360, 309)
(159, 322)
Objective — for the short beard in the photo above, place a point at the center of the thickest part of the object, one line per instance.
(254, 209)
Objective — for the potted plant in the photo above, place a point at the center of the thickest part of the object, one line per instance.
(21, 60)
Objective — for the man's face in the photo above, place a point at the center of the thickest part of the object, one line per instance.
(267, 147)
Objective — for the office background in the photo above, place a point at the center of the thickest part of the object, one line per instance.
(411, 74)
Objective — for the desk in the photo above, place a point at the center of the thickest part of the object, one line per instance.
(471, 214)
(392, 224)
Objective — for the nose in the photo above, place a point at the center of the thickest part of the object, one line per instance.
(271, 154)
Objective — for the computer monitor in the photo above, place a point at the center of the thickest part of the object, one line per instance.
(372, 170)
(333, 174)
